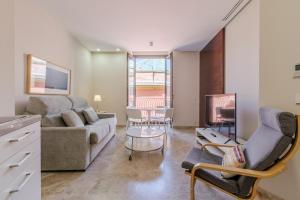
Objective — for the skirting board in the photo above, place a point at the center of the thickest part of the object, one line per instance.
(177, 127)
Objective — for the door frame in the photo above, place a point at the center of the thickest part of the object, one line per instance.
(129, 56)
(170, 56)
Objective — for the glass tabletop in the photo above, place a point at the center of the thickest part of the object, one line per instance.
(145, 132)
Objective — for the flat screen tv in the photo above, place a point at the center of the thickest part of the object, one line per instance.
(220, 113)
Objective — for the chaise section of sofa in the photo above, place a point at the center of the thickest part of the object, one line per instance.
(69, 148)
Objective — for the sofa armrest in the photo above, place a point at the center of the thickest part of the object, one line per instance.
(65, 148)
(106, 115)
(109, 116)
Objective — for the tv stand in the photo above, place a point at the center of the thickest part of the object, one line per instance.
(209, 135)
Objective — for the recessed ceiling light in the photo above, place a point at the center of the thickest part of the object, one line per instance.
(118, 49)
(98, 50)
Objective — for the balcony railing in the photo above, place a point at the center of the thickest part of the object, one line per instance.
(149, 102)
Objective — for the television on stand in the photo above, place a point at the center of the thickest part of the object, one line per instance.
(220, 113)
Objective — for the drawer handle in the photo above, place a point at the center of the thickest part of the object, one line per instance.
(27, 155)
(21, 138)
(22, 184)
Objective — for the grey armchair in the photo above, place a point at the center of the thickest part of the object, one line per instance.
(267, 152)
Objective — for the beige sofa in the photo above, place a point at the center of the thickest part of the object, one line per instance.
(69, 148)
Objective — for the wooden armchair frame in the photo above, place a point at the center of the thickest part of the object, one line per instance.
(272, 171)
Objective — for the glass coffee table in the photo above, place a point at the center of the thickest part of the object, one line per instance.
(145, 139)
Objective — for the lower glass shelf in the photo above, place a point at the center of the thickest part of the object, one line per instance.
(144, 144)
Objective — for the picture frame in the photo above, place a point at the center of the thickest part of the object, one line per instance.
(46, 78)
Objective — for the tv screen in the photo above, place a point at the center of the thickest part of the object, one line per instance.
(221, 112)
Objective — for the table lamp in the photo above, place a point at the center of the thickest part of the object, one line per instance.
(97, 99)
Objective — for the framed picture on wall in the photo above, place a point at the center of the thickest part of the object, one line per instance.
(44, 77)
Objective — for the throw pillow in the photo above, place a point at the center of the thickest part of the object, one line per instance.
(234, 157)
(72, 119)
(90, 115)
(79, 112)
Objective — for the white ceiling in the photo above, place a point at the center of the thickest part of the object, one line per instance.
(131, 24)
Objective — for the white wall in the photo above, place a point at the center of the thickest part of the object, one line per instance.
(110, 81)
(7, 58)
(38, 33)
(186, 75)
(280, 51)
(242, 66)
(83, 77)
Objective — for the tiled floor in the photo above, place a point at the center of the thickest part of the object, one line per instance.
(149, 176)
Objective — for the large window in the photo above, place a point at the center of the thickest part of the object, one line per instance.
(149, 82)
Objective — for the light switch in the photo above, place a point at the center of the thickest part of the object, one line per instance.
(297, 98)
(297, 71)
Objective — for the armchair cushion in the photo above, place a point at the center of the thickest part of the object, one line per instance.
(267, 144)
(280, 121)
(264, 147)
(197, 155)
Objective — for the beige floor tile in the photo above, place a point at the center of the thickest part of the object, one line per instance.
(149, 176)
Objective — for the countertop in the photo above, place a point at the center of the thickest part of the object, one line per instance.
(9, 124)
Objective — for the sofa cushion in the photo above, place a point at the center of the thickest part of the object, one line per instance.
(78, 102)
(106, 121)
(78, 105)
(90, 115)
(72, 119)
(53, 121)
(48, 105)
(98, 130)
(79, 112)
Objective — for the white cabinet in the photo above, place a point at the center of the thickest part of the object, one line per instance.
(20, 163)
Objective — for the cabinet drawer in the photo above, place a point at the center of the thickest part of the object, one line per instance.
(19, 162)
(13, 142)
(27, 185)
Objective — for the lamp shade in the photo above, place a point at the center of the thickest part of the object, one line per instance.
(97, 98)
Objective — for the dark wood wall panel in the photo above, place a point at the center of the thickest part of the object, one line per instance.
(212, 64)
